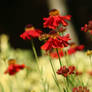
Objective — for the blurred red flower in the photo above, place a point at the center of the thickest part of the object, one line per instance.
(80, 89)
(87, 27)
(78, 72)
(55, 55)
(75, 48)
(14, 68)
(90, 73)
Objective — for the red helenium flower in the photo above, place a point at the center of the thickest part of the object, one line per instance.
(55, 55)
(57, 42)
(54, 21)
(71, 69)
(31, 33)
(66, 71)
(80, 89)
(72, 50)
(79, 48)
(14, 68)
(63, 71)
(87, 27)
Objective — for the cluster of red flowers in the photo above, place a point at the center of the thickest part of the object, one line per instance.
(87, 27)
(13, 68)
(53, 22)
(66, 71)
(55, 39)
(73, 49)
(80, 89)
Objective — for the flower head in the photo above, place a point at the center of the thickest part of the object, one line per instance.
(56, 42)
(73, 48)
(80, 89)
(30, 31)
(63, 71)
(87, 27)
(55, 19)
(13, 68)
(89, 52)
(90, 72)
(55, 55)
(66, 71)
(71, 69)
(11, 61)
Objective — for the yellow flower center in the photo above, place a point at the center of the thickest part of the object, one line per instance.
(11, 61)
(89, 52)
(54, 12)
(30, 28)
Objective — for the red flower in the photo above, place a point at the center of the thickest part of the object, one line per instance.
(79, 48)
(55, 55)
(66, 71)
(90, 73)
(14, 68)
(80, 89)
(55, 19)
(87, 28)
(71, 51)
(75, 48)
(71, 69)
(78, 72)
(56, 42)
(30, 32)
(63, 71)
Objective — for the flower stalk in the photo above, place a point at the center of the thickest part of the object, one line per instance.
(55, 77)
(59, 57)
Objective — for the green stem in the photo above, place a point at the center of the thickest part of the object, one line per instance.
(69, 81)
(56, 81)
(35, 53)
(34, 50)
(36, 57)
(59, 57)
(90, 60)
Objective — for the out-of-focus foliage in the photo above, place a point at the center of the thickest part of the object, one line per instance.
(29, 79)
